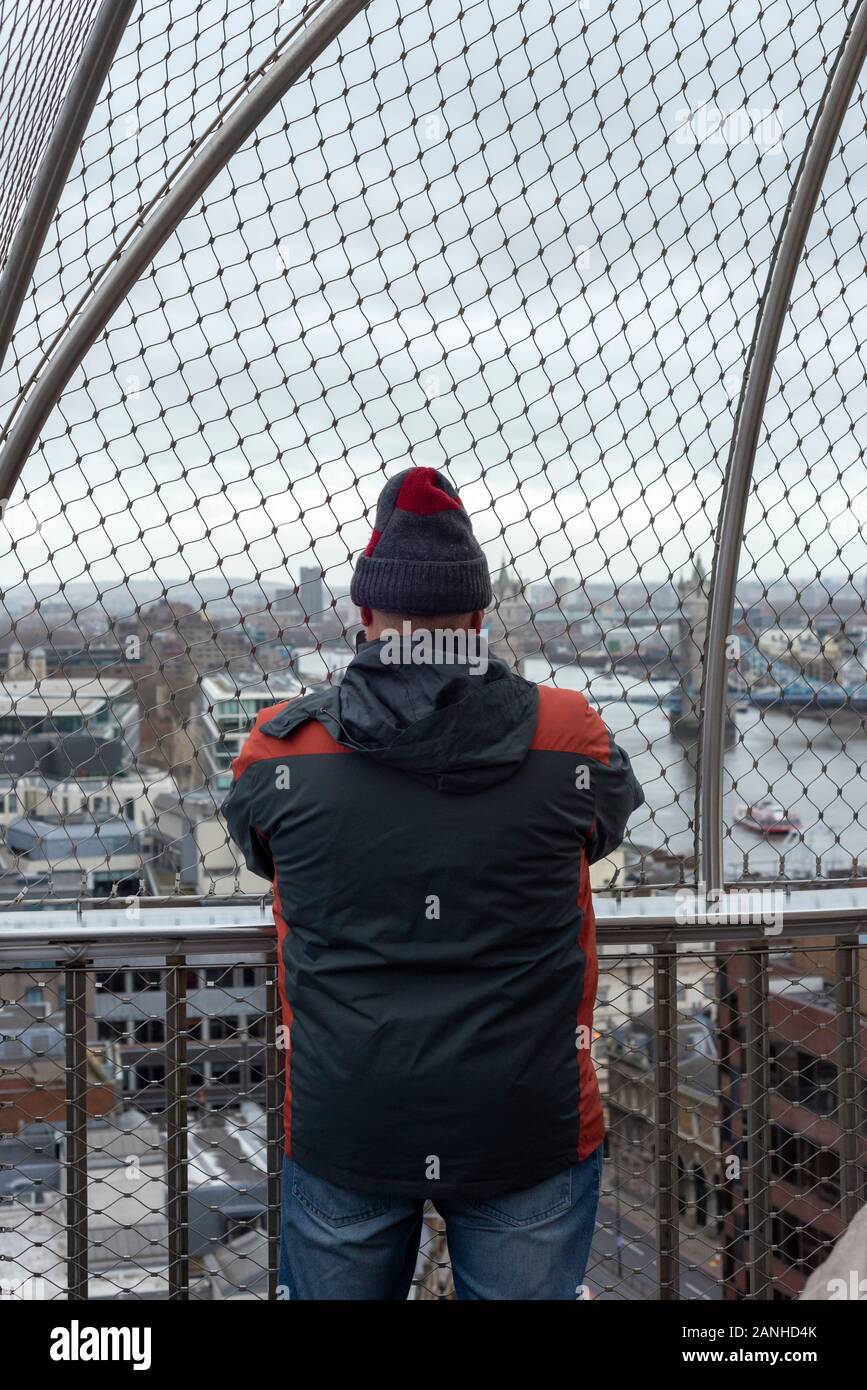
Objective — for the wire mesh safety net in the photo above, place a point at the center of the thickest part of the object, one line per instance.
(794, 1088)
(525, 244)
(40, 43)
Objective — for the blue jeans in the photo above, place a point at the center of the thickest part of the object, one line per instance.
(532, 1244)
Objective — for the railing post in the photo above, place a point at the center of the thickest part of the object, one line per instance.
(758, 1130)
(274, 1074)
(75, 983)
(176, 1135)
(849, 1077)
(728, 1088)
(667, 1219)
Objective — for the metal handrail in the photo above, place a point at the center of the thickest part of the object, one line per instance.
(71, 936)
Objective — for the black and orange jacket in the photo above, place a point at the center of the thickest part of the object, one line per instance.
(428, 833)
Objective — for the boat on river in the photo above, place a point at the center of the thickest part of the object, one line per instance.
(767, 817)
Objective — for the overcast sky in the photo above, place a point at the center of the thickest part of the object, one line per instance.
(519, 249)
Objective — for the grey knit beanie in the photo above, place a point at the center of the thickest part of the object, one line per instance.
(422, 556)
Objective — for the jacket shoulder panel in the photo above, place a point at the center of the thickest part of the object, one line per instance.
(309, 737)
(568, 724)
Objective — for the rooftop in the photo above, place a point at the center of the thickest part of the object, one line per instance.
(82, 695)
(224, 685)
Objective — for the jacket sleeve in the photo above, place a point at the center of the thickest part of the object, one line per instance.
(244, 809)
(239, 812)
(616, 795)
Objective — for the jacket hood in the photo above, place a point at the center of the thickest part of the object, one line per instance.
(454, 728)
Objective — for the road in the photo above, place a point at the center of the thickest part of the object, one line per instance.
(633, 1276)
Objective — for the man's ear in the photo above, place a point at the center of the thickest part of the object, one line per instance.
(476, 620)
(366, 617)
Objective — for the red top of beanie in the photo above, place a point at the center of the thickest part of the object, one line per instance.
(420, 493)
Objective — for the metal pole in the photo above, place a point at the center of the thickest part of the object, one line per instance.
(750, 413)
(75, 981)
(177, 1175)
(728, 1085)
(667, 1102)
(757, 1068)
(849, 1074)
(239, 126)
(97, 56)
(274, 1076)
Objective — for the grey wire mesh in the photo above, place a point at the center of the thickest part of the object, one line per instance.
(808, 1106)
(526, 247)
(40, 43)
(800, 632)
(525, 244)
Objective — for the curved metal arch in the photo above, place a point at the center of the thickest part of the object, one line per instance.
(97, 56)
(741, 461)
(311, 8)
(155, 232)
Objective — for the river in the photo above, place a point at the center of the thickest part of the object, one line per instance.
(815, 766)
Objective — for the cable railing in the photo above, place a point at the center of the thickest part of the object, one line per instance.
(141, 1106)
